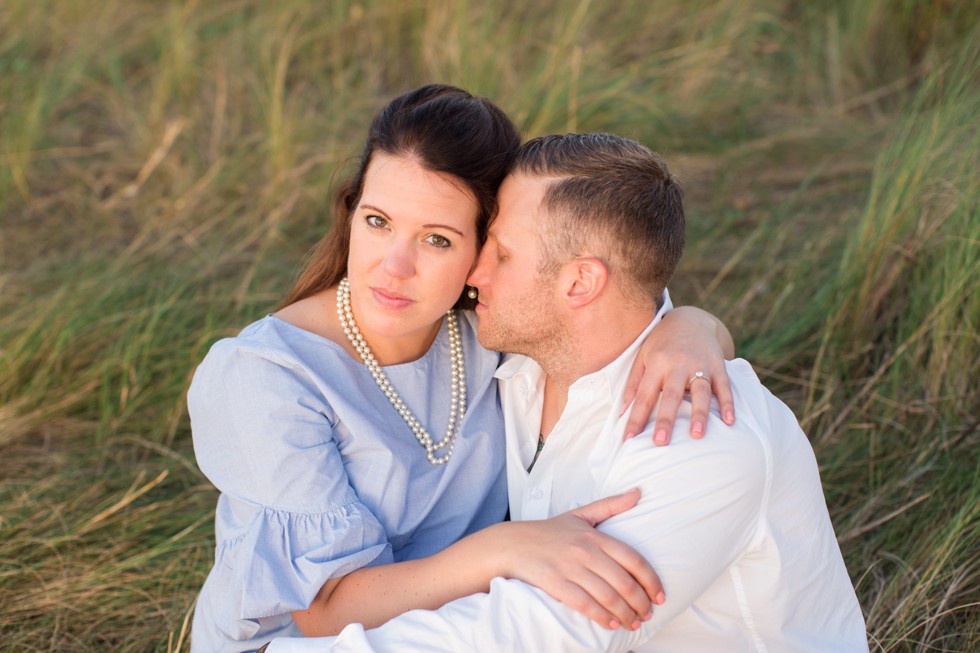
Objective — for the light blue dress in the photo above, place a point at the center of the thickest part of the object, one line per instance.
(320, 476)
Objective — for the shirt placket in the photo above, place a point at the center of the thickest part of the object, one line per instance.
(537, 492)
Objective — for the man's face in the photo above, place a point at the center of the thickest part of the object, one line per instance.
(518, 307)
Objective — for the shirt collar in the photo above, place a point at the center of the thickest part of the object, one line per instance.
(516, 366)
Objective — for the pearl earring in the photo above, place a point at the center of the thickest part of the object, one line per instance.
(472, 293)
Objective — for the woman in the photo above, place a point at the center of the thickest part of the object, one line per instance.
(355, 434)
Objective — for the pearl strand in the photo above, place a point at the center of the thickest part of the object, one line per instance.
(457, 396)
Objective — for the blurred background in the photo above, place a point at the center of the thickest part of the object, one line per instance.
(164, 167)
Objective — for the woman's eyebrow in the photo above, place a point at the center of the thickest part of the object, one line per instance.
(373, 208)
(434, 225)
(444, 226)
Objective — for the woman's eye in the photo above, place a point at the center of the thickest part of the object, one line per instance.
(439, 241)
(376, 221)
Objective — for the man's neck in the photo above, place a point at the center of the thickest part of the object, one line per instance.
(555, 400)
(592, 345)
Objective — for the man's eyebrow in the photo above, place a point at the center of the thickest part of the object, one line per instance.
(496, 240)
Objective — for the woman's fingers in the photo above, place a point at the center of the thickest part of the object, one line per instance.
(629, 574)
(582, 602)
(604, 569)
(632, 383)
(722, 386)
(670, 401)
(647, 393)
(588, 579)
(687, 341)
(602, 509)
(701, 390)
(594, 573)
(609, 601)
(700, 402)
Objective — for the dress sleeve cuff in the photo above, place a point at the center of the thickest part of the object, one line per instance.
(281, 562)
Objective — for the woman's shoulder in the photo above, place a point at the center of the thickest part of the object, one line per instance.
(267, 363)
(316, 314)
(273, 342)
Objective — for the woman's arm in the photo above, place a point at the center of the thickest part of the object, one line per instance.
(687, 340)
(596, 575)
(305, 523)
(594, 579)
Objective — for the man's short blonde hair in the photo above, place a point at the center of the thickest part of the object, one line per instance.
(611, 198)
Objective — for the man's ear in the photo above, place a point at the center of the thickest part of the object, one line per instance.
(585, 280)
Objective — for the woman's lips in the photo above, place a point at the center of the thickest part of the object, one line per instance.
(390, 299)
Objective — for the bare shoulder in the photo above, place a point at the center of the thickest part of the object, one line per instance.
(316, 314)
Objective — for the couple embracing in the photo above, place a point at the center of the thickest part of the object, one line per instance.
(368, 438)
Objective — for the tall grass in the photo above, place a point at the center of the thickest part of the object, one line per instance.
(165, 165)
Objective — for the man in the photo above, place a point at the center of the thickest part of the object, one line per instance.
(737, 527)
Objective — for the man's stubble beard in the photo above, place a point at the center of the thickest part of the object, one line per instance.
(530, 325)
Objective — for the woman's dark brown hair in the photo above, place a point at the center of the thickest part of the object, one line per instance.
(446, 130)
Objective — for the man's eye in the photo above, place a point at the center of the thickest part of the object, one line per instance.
(439, 241)
(376, 221)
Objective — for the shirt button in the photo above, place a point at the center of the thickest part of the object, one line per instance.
(536, 493)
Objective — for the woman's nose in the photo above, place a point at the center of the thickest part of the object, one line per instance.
(399, 261)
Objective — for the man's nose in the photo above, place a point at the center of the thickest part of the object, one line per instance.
(480, 273)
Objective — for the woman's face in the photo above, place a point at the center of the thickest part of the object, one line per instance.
(412, 243)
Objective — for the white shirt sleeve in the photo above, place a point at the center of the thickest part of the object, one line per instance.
(700, 508)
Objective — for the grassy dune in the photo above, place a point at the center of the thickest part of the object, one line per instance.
(165, 165)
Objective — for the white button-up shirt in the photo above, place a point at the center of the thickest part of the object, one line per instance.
(735, 525)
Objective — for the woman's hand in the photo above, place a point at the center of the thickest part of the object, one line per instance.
(565, 556)
(587, 570)
(687, 340)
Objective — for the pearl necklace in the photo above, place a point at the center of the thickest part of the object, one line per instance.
(457, 402)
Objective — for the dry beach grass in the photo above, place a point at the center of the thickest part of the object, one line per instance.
(165, 165)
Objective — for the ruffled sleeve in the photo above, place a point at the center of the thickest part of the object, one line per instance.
(288, 519)
(283, 560)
